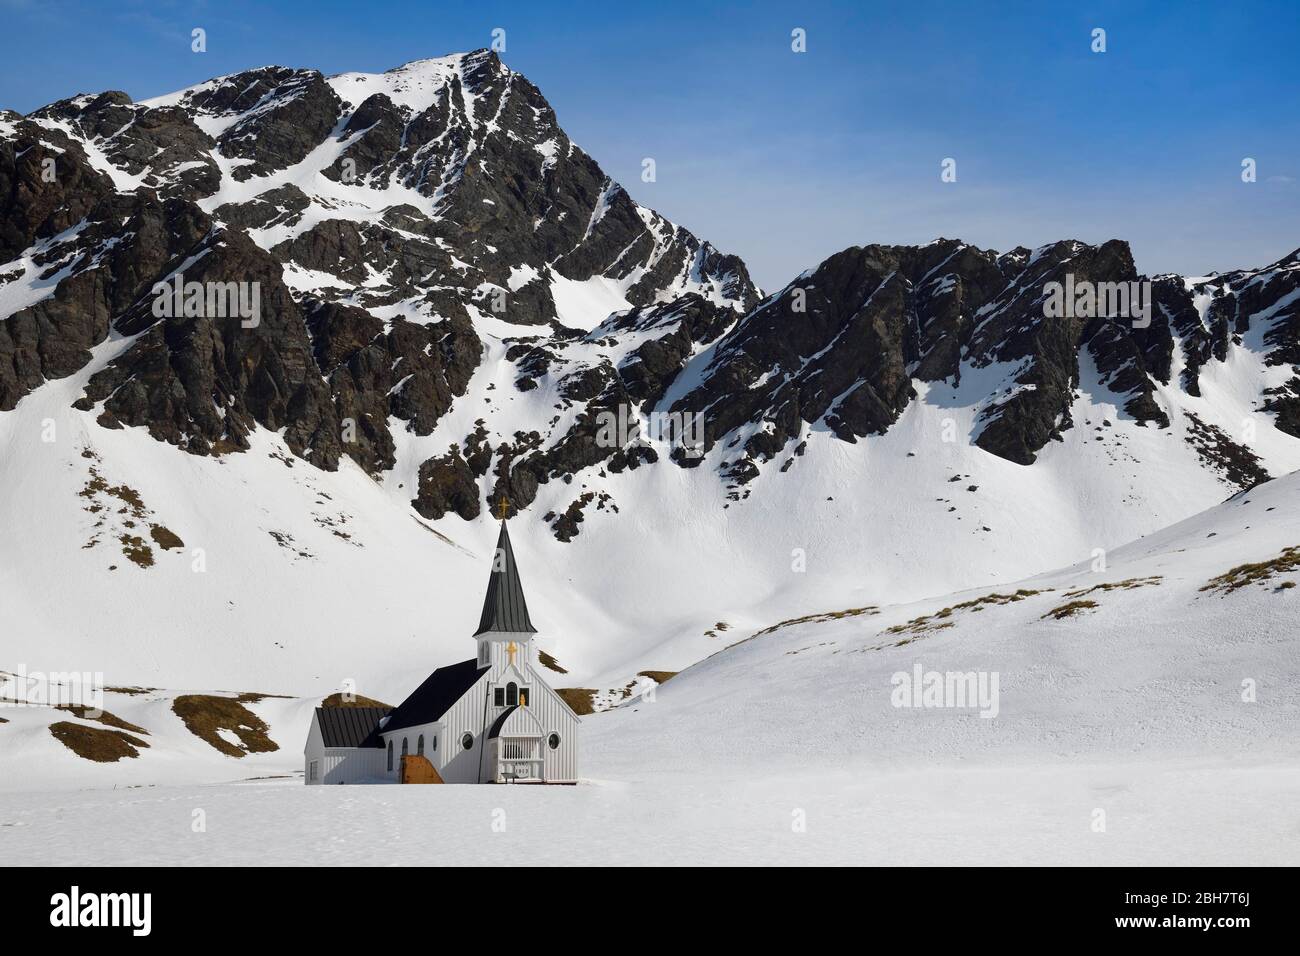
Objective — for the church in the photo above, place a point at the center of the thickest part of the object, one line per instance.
(489, 719)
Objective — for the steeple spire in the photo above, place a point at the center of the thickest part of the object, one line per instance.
(504, 609)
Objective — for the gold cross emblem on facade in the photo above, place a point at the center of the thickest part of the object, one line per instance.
(502, 505)
(511, 649)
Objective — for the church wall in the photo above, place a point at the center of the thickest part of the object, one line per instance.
(555, 716)
(352, 765)
(456, 764)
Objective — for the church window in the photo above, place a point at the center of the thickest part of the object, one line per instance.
(406, 746)
(500, 697)
(523, 697)
(467, 740)
(419, 746)
(435, 743)
(390, 756)
(512, 694)
(315, 767)
(553, 741)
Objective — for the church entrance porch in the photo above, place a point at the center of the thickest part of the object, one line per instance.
(518, 759)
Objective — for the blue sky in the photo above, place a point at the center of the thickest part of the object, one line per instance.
(785, 158)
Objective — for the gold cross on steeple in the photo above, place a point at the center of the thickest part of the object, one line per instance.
(512, 650)
(503, 504)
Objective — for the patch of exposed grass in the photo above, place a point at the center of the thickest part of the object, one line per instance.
(550, 663)
(206, 716)
(1069, 610)
(659, 677)
(111, 720)
(338, 700)
(252, 697)
(93, 743)
(940, 619)
(1259, 572)
(165, 538)
(130, 690)
(136, 551)
(1127, 585)
(818, 619)
(579, 699)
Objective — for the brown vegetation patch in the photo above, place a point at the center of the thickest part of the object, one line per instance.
(165, 538)
(940, 619)
(1069, 610)
(817, 618)
(111, 720)
(659, 677)
(253, 697)
(205, 716)
(1127, 585)
(550, 663)
(338, 700)
(136, 550)
(579, 699)
(92, 743)
(1258, 572)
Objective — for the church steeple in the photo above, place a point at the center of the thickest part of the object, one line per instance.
(504, 608)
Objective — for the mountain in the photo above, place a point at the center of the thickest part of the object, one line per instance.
(416, 296)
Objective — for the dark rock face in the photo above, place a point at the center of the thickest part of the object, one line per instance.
(447, 484)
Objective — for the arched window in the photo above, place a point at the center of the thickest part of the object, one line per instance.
(467, 740)
(390, 756)
(512, 694)
(553, 741)
(419, 746)
(406, 748)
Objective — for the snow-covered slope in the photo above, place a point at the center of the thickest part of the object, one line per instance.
(1163, 697)
(1184, 646)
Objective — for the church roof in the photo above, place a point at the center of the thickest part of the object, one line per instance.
(350, 726)
(503, 607)
(524, 725)
(497, 724)
(434, 697)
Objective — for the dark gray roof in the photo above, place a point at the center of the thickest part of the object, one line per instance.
(435, 696)
(501, 722)
(503, 607)
(350, 726)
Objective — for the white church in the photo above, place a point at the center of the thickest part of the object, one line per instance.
(490, 719)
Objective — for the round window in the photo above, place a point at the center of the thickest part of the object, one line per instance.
(553, 741)
(467, 740)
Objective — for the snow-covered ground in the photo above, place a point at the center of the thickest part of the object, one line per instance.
(1159, 726)
(1197, 813)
